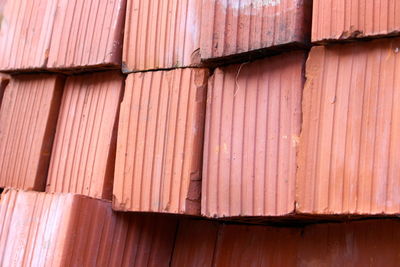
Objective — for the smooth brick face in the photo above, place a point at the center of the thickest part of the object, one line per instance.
(161, 34)
(83, 156)
(160, 135)
(348, 155)
(335, 20)
(252, 128)
(42, 229)
(230, 28)
(28, 118)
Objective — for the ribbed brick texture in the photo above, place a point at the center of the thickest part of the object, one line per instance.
(252, 129)
(40, 229)
(61, 34)
(160, 135)
(26, 30)
(340, 20)
(230, 28)
(162, 34)
(83, 156)
(28, 118)
(348, 155)
(87, 34)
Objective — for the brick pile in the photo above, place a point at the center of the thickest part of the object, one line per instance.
(199, 133)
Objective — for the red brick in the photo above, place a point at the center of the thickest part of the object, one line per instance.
(252, 128)
(160, 135)
(83, 156)
(28, 118)
(348, 154)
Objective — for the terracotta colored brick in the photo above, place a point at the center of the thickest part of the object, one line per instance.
(348, 155)
(87, 34)
(40, 229)
(240, 245)
(160, 135)
(26, 31)
(83, 157)
(366, 243)
(252, 130)
(195, 243)
(28, 118)
(61, 34)
(335, 20)
(161, 34)
(232, 28)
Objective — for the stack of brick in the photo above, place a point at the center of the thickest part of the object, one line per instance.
(120, 117)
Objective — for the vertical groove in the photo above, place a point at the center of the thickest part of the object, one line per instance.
(389, 178)
(106, 89)
(218, 176)
(231, 146)
(79, 114)
(376, 131)
(21, 116)
(362, 126)
(155, 147)
(175, 134)
(141, 89)
(268, 84)
(330, 185)
(25, 136)
(253, 202)
(320, 108)
(242, 193)
(210, 124)
(145, 142)
(185, 136)
(44, 88)
(278, 119)
(69, 141)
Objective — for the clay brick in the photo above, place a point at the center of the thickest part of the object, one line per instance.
(160, 135)
(348, 154)
(252, 28)
(87, 34)
(161, 34)
(28, 118)
(83, 157)
(336, 20)
(252, 128)
(61, 35)
(41, 229)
